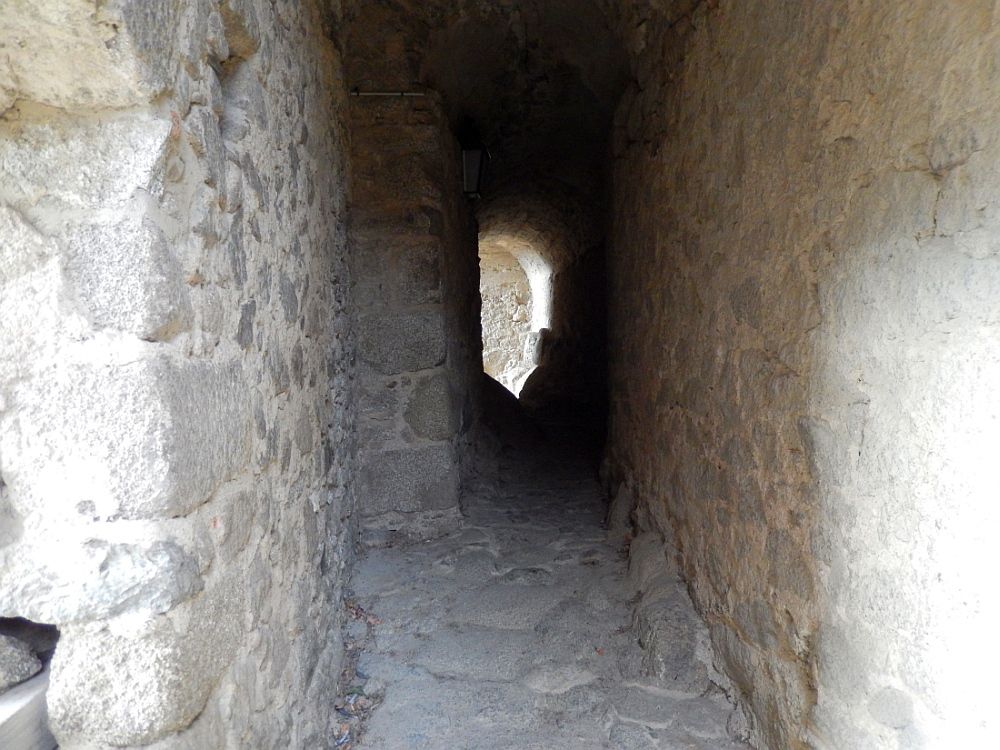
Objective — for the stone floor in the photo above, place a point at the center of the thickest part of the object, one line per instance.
(516, 631)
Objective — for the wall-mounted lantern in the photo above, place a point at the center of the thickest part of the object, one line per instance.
(473, 165)
(475, 157)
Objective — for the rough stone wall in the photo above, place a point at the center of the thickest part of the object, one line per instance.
(414, 267)
(508, 343)
(805, 352)
(175, 429)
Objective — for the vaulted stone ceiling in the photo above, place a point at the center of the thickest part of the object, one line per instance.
(540, 78)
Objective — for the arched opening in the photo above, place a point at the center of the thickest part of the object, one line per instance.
(515, 285)
(555, 236)
(526, 81)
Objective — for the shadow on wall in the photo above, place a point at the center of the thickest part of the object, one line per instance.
(515, 284)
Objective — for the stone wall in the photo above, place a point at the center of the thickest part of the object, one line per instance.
(805, 352)
(508, 343)
(414, 265)
(175, 423)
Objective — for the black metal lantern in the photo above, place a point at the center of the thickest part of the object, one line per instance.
(475, 156)
(473, 166)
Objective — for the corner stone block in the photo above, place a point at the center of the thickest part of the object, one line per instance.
(418, 274)
(120, 688)
(148, 439)
(31, 285)
(128, 278)
(92, 578)
(94, 165)
(371, 258)
(69, 54)
(409, 480)
(432, 412)
(17, 662)
(131, 683)
(402, 342)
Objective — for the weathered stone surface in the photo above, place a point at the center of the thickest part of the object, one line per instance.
(176, 661)
(123, 689)
(402, 342)
(650, 558)
(189, 434)
(409, 480)
(17, 662)
(85, 164)
(244, 333)
(94, 579)
(31, 279)
(73, 57)
(129, 278)
(391, 527)
(176, 417)
(418, 276)
(791, 280)
(508, 351)
(431, 411)
(669, 635)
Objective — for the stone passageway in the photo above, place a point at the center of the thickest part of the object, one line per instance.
(252, 267)
(515, 631)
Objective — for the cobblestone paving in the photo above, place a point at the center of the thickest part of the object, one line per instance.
(516, 631)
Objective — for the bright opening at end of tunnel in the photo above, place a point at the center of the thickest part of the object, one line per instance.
(515, 284)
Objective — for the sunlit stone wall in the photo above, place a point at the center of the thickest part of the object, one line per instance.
(509, 341)
(805, 352)
(175, 421)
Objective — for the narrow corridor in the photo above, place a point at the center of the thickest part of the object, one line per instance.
(257, 255)
(514, 631)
